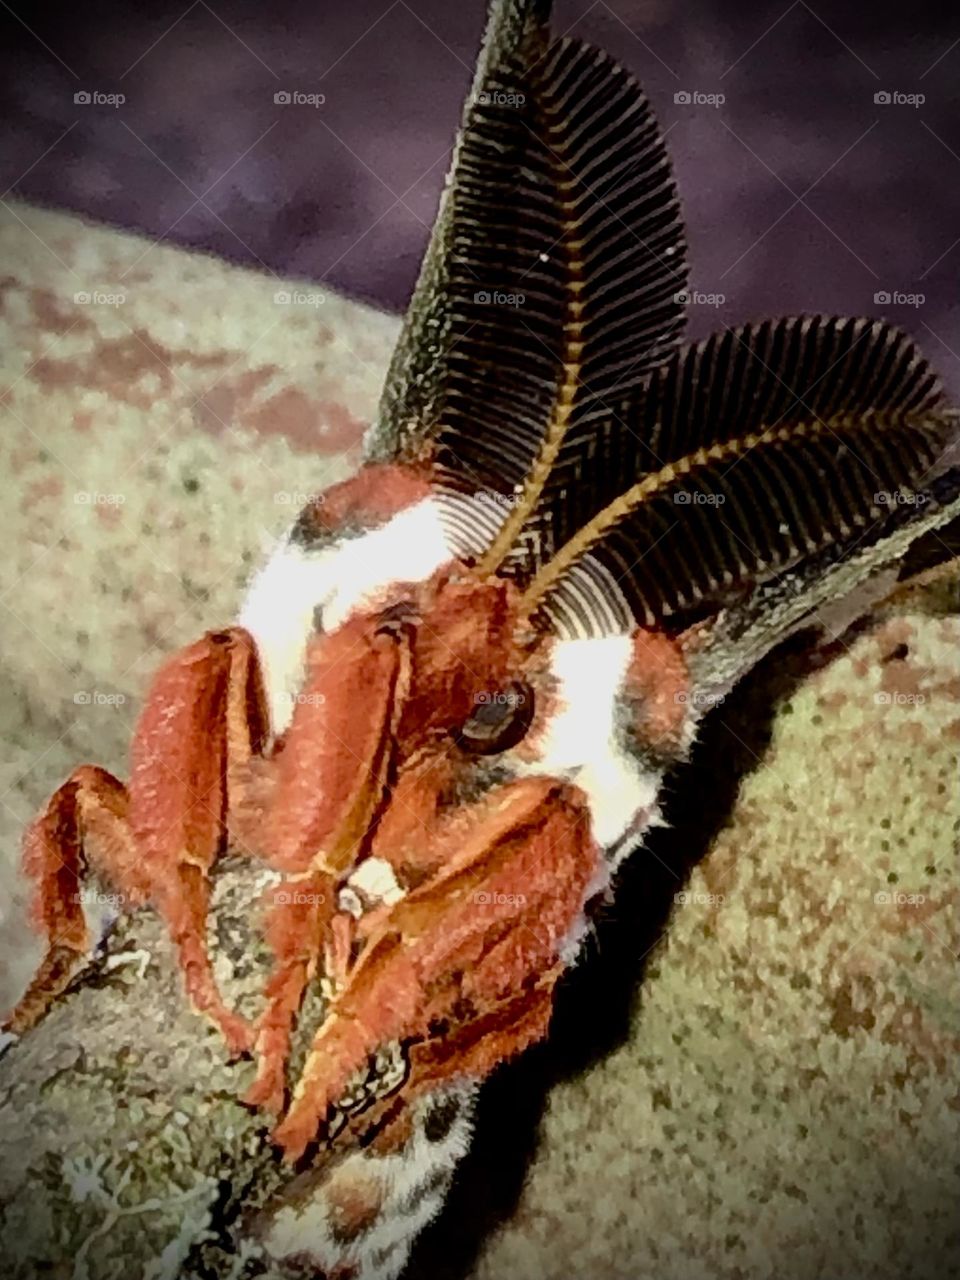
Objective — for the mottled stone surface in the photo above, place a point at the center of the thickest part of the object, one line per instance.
(779, 1095)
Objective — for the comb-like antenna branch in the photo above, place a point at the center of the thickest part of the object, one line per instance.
(740, 456)
(630, 500)
(733, 450)
(618, 254)
(566, 394)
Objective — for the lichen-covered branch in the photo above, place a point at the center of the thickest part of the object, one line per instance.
(124, 1148)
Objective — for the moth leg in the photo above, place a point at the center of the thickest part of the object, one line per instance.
(205, 717)
(156, 838)
(85, 822)
(472, 1049)
(331, 778)
(483, 930)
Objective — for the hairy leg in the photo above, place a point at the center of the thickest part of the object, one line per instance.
(481, 933)
(156, 838)
(331, 777)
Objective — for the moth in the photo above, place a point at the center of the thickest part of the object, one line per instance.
(446, 709)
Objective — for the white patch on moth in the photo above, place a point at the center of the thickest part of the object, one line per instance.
(580, 743)
(140, 957)
(350, 902)
(375, 881)
(407, 1175)
(283, 597)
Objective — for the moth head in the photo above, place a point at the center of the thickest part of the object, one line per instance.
(468, 687)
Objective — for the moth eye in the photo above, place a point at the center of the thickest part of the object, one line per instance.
(500, 720)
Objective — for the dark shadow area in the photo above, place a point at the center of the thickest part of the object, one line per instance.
(597, 998)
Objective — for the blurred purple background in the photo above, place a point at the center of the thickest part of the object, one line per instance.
(801, 191)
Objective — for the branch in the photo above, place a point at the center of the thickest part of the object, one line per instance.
(124, 1148)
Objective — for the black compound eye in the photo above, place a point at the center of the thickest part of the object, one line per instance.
(500, 720)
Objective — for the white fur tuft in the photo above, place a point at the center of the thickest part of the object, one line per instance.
(411, 1185)
(284, 596)
(580, 740)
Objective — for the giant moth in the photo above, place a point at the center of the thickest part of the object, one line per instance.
(447, 707)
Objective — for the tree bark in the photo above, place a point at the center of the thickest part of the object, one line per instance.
(124, 1146)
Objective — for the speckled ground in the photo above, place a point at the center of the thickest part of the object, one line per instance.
(779, 1095)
